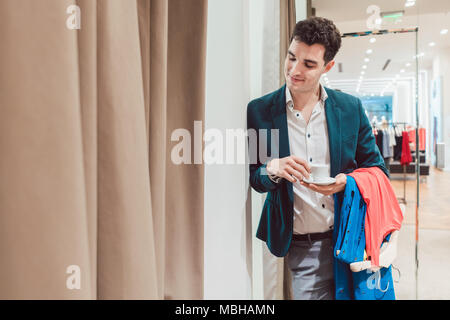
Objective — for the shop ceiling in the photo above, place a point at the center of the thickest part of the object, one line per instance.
(431, 16)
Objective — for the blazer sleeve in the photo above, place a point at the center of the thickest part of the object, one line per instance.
(367, 152)
(259, 179)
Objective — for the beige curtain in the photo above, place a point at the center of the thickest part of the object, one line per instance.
(86, 177)
(287, 25)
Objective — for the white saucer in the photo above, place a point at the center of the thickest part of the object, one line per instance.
(324, 182)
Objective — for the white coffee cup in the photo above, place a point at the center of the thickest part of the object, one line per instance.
(319, 172)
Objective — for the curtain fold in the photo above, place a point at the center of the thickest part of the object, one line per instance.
(287, 24)
(184, 201)
(86, 174)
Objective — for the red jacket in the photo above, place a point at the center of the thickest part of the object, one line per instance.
(383, 211)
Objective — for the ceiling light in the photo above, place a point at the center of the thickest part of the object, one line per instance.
(364, 67)
(397, 76)
(403, 70)
(372, 40)
(444, 31)
(432, 44)
(362, 72)
(408, 64)
(410, 3)
(369, 51)
(366, 60)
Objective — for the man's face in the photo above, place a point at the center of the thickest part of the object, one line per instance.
(304, 66)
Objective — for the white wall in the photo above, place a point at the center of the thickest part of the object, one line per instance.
(227, 265)
(441, 68)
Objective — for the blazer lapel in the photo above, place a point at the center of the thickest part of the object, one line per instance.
(279, 121)
(333, 115)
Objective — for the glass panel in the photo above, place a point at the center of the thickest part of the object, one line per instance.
(377, 63)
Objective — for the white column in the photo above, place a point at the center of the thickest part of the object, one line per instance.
(227, 249)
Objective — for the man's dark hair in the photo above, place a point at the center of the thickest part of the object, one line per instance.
(319, 30)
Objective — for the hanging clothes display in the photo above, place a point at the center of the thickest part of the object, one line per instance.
(398, 143)
(392, 142)
(406, 157)
(384, 143)
(379, 140)
(422, 138)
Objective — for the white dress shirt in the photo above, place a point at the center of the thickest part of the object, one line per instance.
(313, 212)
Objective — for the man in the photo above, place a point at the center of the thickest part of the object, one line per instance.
(316, 125)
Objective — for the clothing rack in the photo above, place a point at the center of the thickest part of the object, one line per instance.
(394, 125)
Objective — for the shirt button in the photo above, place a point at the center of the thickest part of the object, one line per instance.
(309, 136)
(323, 206)
(310, 159)
(298, 115)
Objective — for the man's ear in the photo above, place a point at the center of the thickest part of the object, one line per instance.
(329, 66)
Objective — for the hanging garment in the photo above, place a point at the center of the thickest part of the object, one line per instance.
(392, 141)
(398, 147)
(406, 157)
(383, 211)
(412, 139)
(422, 139)
(386, 144)
(392, 137)
(349, 239)
(379, 141)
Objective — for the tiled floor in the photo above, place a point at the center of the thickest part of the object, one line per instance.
(434, 239)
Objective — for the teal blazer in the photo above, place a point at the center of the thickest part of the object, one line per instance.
(352, 145)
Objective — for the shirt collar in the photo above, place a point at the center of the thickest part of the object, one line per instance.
(290, 102)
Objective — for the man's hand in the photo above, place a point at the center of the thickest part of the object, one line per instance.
(338, 186)
(290, 168)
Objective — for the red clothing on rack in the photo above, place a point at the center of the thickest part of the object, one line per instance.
(383, 213)
(422, 138)
(406, 152)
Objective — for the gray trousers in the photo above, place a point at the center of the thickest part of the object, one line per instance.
(311, 266)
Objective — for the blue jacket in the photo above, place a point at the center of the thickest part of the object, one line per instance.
(350, 242)
(352, 145)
